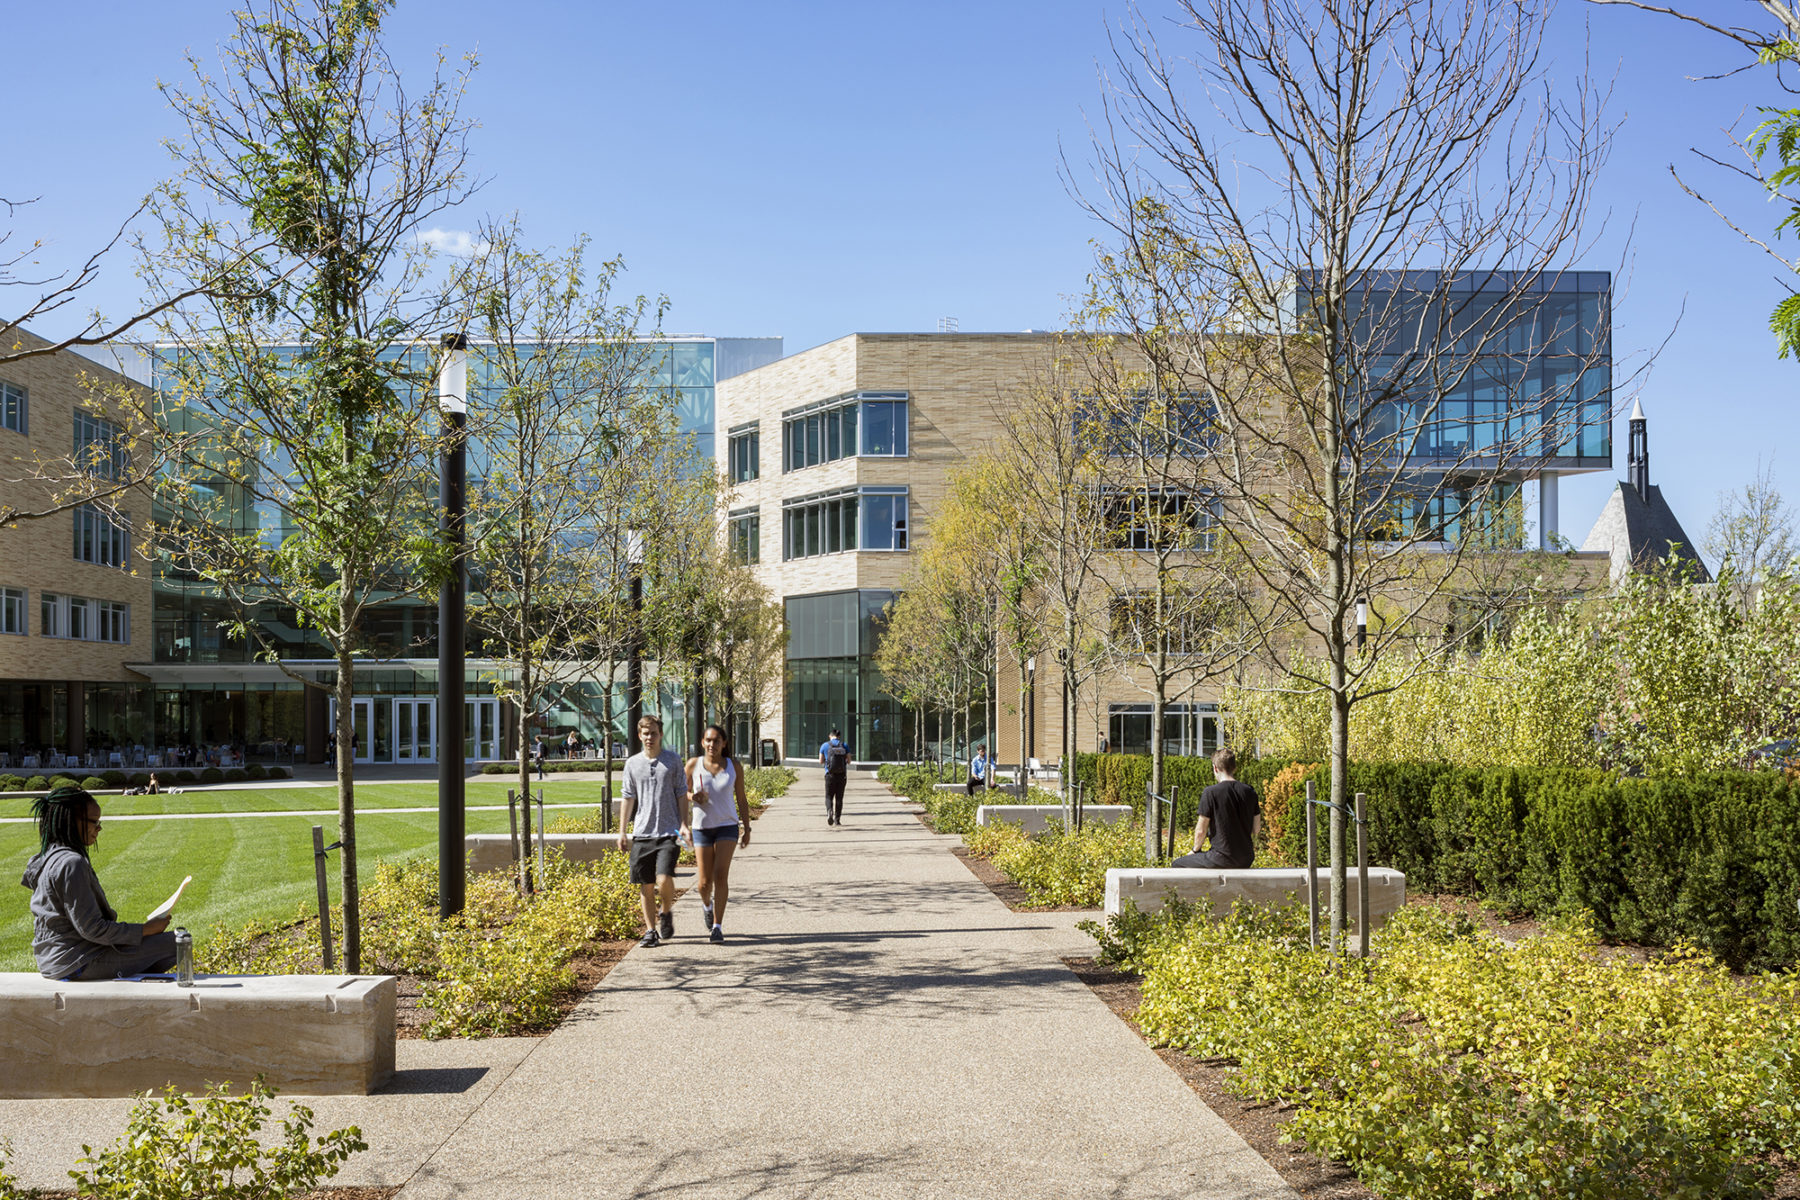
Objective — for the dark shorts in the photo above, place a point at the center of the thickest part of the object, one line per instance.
(651, 857)
(718, 833)
(1208, 858)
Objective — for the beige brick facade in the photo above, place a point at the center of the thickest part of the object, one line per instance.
(38, 555)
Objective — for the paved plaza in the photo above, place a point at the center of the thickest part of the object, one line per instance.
(877, 1025)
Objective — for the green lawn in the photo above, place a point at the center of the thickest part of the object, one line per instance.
(489, 790)
(244, 868)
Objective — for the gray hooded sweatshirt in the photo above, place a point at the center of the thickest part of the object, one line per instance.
(71, 920)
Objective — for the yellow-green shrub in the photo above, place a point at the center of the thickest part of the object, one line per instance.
(1454, 1065)
(1056, 867)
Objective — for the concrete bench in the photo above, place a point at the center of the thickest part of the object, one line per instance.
(494, 851)
(1038, 817)
(314, 1035)
(1147, 888)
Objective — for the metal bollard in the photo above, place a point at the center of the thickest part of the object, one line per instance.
(324, 897)
(1362, 875)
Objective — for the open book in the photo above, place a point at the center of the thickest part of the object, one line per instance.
(168, 906)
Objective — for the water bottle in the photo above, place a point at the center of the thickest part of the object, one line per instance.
(184, 958)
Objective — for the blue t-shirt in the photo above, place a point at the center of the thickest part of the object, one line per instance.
(825, 751)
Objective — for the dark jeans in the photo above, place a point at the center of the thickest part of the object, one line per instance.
(156, 954)
(974, 784)
(1206, 858)
(834, 795)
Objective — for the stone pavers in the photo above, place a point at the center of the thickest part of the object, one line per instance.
(877, 1025)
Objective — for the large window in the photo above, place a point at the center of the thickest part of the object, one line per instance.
(101, 539)
(744, 535)
(1190, 729)
(85, 620)
(745, 452)
(866, 424)
(870, 518)
(1155, 519)
(99, 446)
(12, 610)
(14, 408)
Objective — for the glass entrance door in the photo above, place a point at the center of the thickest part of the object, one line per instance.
(363, 726)
(414, 730)
(481, 729)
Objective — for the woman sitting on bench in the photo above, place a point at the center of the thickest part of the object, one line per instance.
(76, 934)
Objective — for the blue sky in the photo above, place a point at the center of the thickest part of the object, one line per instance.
(811, 170)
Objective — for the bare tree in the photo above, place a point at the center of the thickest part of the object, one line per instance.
(1752, 537)
(307, 489)
(1347, 225)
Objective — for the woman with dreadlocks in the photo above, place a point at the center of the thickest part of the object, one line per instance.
(76, 934)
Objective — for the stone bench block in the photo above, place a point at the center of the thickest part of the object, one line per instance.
(1147, 887)
(313, 1035)
(494, 851)
(1038, 817)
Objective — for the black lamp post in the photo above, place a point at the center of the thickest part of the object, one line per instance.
(634, 679)
(453, 594)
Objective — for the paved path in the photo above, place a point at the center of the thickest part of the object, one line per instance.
(878, 1025)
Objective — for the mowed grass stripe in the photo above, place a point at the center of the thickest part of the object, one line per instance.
(244, 869)
(320, 799)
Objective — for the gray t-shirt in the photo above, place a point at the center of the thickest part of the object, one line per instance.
(658, 784)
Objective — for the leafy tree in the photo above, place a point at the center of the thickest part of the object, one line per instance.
(308, 493)
(1752, 538)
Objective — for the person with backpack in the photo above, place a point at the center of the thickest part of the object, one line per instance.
(834, 755)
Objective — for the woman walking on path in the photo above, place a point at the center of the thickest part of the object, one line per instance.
(721, 822)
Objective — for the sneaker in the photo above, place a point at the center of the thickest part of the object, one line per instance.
(650, 939)
(718, 933)
(706, 912)
(667, 924)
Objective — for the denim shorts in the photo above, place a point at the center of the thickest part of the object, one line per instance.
(718, 833)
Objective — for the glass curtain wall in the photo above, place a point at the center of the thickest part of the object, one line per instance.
(832, 681)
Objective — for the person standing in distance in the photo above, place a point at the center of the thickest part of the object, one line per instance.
(1231, 813)
(834, 755)
(653, 825)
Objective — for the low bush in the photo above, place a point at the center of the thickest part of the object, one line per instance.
(1452, 1064)
(37, 783)
(93, 783)
(280, 773)
(139, 779)
(115, 779)
(555, 766)
(1056, 867)
(949, 811)
(769, 782)
(499, 967)
(57, 781)
(256, 771)
(12, 783)
(212, 775)
(177, 1146)
(236, 775)
(185, 776)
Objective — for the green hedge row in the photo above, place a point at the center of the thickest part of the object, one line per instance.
(165, 777)
(1713, 860)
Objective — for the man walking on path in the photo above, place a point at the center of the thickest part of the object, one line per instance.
(834, 754)
(653, 825)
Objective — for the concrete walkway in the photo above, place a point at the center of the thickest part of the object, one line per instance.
(877, 1025)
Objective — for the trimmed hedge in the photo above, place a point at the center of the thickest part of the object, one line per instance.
(1713, 860)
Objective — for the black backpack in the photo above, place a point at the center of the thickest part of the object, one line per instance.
(837, 758)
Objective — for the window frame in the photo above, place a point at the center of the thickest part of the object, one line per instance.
(15, 408)
(744, 443)
(15, 603)
(828, 431)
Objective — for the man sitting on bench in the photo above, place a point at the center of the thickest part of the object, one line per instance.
(76, 934)
(1230, 811)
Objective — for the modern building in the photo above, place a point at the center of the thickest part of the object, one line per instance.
(182, 677)
(75, 593)
(839, 455)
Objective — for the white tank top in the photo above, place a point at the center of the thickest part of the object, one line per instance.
(718, 803)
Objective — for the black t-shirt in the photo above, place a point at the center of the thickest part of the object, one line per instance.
(1232, 808)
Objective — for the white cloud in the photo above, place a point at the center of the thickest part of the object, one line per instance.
(458, 242)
